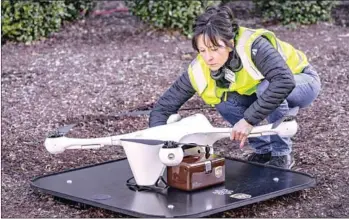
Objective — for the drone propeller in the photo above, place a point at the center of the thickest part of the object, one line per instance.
(61, 131)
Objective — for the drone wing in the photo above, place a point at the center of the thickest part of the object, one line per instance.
(208, 137)
(144, 141)
(153, 142)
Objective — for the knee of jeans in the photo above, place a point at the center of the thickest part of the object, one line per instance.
(317, 87)
(230, 112)
(276, 115)
(262, 87)
(311, 96)
(220, 107)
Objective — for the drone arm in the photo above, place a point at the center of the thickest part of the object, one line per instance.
(60, 144)
(285, 129)
(90, 141)
(90, 146)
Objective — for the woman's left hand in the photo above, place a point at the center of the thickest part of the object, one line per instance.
(240, 131)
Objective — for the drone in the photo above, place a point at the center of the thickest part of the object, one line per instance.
(151, 150)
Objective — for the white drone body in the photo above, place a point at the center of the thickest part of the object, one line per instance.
(148, 162)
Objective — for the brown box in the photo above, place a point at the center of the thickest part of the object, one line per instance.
(197, 172)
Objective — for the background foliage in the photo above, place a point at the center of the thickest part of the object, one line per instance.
(26, 21)
(181, 14)
(169, 14)
(300, 12)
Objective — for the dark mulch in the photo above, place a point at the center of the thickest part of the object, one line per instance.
(102, 65)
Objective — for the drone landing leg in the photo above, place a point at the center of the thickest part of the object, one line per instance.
(156, 187)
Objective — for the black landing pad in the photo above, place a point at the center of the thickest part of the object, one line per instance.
(104, 186)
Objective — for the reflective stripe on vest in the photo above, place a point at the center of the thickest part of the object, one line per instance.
(199, 75)
(280, 50)
(300, 59)
(240, 49)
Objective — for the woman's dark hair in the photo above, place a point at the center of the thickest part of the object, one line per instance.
(216, 23)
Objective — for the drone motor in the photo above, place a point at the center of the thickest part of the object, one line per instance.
(171, 154)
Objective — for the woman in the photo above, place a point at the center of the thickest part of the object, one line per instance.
(248, 76)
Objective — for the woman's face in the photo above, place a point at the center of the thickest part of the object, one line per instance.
(214, 57)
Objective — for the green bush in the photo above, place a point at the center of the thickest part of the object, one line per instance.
(169, 14)
(76, 9)
(26, 21)
(301, 12)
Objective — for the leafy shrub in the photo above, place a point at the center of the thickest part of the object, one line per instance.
(76, 9)
(301, 12)
(26, 21)
(171, 14)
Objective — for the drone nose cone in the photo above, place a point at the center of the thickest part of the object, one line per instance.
(52, 145)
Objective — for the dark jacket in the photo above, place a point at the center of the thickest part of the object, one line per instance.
(268, 61)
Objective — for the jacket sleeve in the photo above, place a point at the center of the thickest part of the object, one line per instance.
(170, 102)
(281, 81)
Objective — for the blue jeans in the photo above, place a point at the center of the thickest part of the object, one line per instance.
(307, 88)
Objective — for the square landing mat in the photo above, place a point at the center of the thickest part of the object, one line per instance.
(104, 185)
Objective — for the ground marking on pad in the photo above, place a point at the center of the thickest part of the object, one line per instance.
(222, 192)
(240, 196)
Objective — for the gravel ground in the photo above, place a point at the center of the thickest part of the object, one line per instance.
(105, 64)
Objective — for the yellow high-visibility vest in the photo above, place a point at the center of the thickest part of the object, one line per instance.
(247, 79)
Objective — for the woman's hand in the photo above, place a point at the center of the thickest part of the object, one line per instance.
(240, 132)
